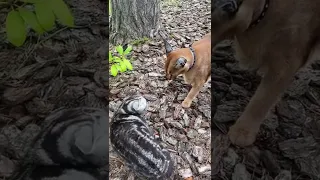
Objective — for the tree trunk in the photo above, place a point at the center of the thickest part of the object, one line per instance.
(134, 19)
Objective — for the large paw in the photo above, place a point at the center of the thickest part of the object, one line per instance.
(242, 135)
(186, 104)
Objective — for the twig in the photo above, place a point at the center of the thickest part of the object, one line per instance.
(38, 43)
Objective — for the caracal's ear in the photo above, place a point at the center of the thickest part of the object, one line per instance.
(229, 7)
(181, 62)
(168, 47)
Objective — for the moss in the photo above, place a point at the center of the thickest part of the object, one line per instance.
(140, 41)
(172, 2)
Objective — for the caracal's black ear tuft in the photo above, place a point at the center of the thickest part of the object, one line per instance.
(168, 47)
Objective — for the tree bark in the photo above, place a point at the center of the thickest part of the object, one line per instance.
(134, 19)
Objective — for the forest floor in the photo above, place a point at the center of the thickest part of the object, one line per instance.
(185, 132)
(288, 144)
(64, 68)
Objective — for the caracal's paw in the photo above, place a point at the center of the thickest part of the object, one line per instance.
(242, 135)
(186, 104)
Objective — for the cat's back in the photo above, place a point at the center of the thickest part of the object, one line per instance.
(127, 126)
(134, 142)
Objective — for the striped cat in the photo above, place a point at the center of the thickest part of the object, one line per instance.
(134, 141)
(78, 136)
(72, 145)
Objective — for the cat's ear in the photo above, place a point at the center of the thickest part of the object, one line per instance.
(228, 6)
(181, 62)
(139, 105)
(168, 46)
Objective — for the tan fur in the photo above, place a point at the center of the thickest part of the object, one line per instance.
(199, 74)
(285, 40)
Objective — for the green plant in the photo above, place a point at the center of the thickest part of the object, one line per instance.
(140, 41)
(40, 18)
(120, 63)
(172, 2)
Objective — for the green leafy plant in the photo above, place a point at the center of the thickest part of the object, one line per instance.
(40, 19)
(120, 63)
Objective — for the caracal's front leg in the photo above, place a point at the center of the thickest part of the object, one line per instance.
(192, 94)
(273, 84)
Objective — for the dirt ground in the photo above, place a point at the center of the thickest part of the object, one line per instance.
(288, 144)
(185, 132)
(65, 68)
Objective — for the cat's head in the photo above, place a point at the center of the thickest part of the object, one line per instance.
(135, 104)
(177, 61)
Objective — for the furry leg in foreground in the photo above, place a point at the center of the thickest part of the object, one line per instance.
(271, 38)
(246, 128)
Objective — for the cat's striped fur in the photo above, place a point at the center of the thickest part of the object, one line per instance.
(72, 145)
(134, 141)
(79, 136)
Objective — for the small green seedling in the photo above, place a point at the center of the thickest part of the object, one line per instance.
(120, 63)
